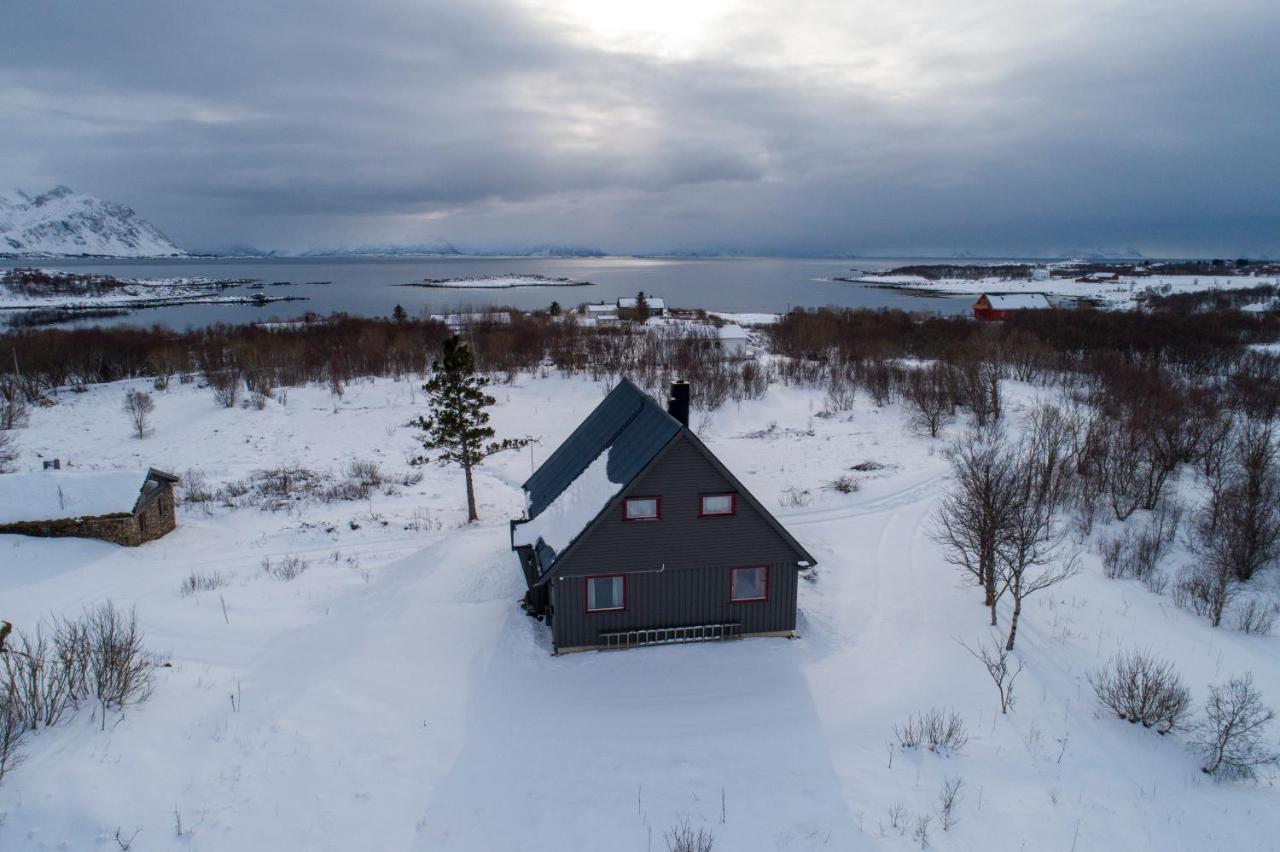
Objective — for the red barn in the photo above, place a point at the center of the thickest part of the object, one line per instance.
(994, 307)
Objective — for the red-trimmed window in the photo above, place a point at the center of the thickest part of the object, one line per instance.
(711, 505)
(606, 594)
(749, 584)
(642, 509)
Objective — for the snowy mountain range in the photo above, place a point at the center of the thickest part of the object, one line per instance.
(444, 248)
(63, 223)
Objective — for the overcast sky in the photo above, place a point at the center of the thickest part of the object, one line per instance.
(800, 126)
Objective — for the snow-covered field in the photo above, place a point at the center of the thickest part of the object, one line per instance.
(394, 696)
(1123, 293)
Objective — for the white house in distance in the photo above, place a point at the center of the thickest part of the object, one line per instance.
(601, 314)
(733, 341)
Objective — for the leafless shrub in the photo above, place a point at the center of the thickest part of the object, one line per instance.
(920, 834)
(288, 568)
(125, 843)
(948, 800)
(8, 453)
(1231, 736)
(45, 676)
(13, 403)
(898, 817)
(795, 498)
(139, 405)
(198, 581)
(1133, 554)
(995, 658)
(1206, 590)
(366, 471)
(410, 478)
(421, 520)
(940, 731)
(226, 386)
(120, 669)
(1140, 687)
(844, 484)
(683, 837)
(194, 487)
(13, 730)
(1156, 582)
(1256, 615)
(931, 405)
(257, 401)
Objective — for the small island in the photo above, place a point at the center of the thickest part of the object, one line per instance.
(40, 296)
(496, 282)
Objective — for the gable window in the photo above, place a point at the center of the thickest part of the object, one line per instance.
(749, 584)
(605, 594)
(718, 504)
(642, 509)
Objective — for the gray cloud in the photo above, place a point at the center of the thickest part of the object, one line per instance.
(801, 127)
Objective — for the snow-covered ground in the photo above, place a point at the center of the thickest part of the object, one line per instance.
(394, 696)
(1122, 293)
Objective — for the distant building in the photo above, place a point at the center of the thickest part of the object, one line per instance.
(126, 507)
(657, 306)
(602, 314)
(458, 322)
(996, 306)
(733, 341)
(1040, 273)
(636, 534)
(1096, 277)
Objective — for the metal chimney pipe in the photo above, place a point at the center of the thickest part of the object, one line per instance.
(678, 402)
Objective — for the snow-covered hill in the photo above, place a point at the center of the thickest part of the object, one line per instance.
(63, 222)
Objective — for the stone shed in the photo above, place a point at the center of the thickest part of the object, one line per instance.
(126, 507)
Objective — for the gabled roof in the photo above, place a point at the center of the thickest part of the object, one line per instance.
(654, 302)
(616, 441)
(1018, 301)
(53, 495)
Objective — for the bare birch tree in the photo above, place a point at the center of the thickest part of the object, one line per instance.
(972, 518)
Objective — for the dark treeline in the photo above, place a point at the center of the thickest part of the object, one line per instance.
(1157, 354)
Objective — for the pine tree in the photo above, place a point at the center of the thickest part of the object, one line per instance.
(456, 428)
(399, 314)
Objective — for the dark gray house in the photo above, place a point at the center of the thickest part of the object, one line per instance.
(636, 534)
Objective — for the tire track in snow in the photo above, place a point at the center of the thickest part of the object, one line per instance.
(898, 499)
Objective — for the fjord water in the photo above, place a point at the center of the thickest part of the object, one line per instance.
(366, 286)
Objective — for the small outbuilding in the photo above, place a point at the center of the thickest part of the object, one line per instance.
(126, 507)
(636, 534)
(996, 306)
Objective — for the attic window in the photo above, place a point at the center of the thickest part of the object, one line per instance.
(606, 594)
(642, 509)
(749, 584)
(718, 504)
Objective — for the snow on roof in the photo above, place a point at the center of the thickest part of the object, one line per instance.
(1018, 301)
(607, 450)
(732, 332)
(54, 495)
(602, 309)
(654, 302)
(559, 523)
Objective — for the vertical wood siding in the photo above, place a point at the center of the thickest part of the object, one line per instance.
(678, 567)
